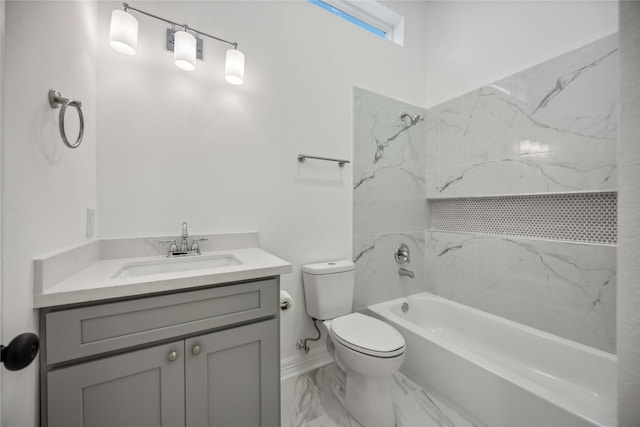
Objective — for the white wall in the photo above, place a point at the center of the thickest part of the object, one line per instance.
(2, 7)
(180, 146)
(46, 187)
(473, 43)
(629, 219)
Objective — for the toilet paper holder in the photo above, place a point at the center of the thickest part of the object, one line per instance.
(286, 301)
(285, 305)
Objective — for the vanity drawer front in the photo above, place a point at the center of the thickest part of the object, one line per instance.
(88, 331)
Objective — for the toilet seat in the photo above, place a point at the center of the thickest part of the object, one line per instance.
(367, 335)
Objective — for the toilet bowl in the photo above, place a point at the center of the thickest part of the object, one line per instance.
(368, 350)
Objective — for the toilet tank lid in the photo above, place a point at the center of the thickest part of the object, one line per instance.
(328, 267)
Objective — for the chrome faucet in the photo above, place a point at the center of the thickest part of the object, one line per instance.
(185, 248)
(404, 272)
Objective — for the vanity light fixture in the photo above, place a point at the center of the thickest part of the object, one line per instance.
(184, 50)
(181, 39)
(123, 36)
(234, 67)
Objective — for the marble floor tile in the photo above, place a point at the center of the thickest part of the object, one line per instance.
(308, 401)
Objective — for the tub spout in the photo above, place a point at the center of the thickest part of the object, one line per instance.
(405, 272)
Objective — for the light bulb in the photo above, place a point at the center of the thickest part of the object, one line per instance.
(184, 50)
(234, 67)
(123, 35)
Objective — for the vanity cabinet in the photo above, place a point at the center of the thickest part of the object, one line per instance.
(208, 357)
(234, 380)
(139, 388)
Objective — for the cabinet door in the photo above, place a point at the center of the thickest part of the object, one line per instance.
(233, 377)
(141, 388)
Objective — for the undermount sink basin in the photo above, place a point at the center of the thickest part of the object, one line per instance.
(174, 265)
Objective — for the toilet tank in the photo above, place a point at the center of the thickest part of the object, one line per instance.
(328, 288)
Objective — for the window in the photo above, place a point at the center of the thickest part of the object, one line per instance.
(369, 15)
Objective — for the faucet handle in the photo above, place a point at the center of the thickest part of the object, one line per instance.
(402, 254)
(173, 247)
(195, 247)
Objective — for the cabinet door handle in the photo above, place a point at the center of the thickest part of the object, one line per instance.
(173, 356)
(196, 349)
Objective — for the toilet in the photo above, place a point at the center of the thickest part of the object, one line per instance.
(368, 350)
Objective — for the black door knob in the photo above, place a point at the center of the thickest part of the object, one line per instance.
(20, 351)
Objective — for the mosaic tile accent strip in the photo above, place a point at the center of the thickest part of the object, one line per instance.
(574, 217)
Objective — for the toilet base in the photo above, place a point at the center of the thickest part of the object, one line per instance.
(368, 400)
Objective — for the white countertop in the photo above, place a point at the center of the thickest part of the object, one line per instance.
(94, 282)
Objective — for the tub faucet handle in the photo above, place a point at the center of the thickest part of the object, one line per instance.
(402, 254)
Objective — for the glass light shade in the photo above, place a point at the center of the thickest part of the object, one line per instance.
(184, 50)
(123, 35)
(234, 67)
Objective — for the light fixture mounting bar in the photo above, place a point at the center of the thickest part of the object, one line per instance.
(127, 7)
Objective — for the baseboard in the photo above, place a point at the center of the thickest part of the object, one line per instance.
(297, 365)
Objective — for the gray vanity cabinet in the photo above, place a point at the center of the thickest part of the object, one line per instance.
(208, 357)
(231, 380)
(140, 388)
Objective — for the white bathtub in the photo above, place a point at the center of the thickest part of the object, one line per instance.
(500, 372)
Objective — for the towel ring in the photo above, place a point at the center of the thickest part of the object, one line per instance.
(57, 101)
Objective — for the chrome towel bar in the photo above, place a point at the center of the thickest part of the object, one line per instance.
(57, 101)
(341, 163)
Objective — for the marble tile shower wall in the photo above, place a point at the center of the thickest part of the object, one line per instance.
(388, 196)
(550, 128)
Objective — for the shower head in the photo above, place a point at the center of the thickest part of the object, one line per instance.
(412, 119)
